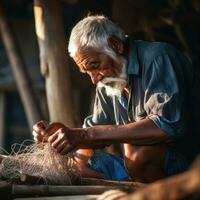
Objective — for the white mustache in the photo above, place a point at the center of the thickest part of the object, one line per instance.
(112, 79)
(118, 84)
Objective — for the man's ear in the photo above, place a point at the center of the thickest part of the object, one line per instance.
(116, 45)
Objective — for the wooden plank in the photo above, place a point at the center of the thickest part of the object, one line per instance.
(74, 197)
(25, 178)
(95, 181)
(28, 179)
(54, 190)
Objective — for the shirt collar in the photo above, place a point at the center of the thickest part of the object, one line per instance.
(133, 64)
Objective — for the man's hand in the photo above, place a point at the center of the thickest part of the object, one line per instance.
(39, 132)
(62, 138)
(42, 130)
(65, 139)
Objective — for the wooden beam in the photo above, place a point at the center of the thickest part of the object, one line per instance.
(55, 190)
(25, 178)
(94, 181)
(67, 197)
(23, 81)
(53, 58)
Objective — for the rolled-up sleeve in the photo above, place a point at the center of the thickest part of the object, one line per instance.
(102, 110)
(162, 99)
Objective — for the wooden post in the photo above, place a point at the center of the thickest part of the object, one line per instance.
(19, 70)
(53, 58)
(2, 122)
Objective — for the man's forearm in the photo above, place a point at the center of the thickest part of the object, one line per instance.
(143, 132)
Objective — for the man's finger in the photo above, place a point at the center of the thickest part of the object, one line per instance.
(37, 139)
(61, 146)
(34, 133)
(54, 127)
(42, 124)
(39, 130)
(58, 138)
(68, 148)
(53, 137)
(57, 142)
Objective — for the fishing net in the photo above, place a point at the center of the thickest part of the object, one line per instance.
(39, 160)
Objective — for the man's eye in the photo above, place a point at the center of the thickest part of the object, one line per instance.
(94, 65)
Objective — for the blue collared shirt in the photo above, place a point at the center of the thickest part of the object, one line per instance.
(160, 81)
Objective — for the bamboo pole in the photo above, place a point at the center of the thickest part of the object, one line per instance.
(25, 178)
(55, 190)
(53, 58)
(23, 81)
(94, 181)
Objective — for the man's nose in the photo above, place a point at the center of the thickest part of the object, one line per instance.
(96, 77)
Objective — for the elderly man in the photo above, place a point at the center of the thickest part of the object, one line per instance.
(143, 101)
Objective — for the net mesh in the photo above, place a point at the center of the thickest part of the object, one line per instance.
(39, 160)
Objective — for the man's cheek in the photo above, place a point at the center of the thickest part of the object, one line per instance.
(115, 72)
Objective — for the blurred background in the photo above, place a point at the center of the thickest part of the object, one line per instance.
(173, 21)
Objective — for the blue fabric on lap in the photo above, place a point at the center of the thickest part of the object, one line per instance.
(111, 166)
(175, 163)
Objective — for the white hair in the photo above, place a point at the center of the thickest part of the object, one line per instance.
(94, 31)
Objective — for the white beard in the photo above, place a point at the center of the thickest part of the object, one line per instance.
(115, 85)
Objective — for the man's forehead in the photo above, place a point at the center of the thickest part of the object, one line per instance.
(85, 52)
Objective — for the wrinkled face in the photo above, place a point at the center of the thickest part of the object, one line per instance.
(96, 64)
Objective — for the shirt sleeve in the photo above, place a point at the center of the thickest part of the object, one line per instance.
(103, 111)
(162, 99)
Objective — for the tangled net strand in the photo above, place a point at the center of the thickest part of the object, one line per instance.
(39, 160)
